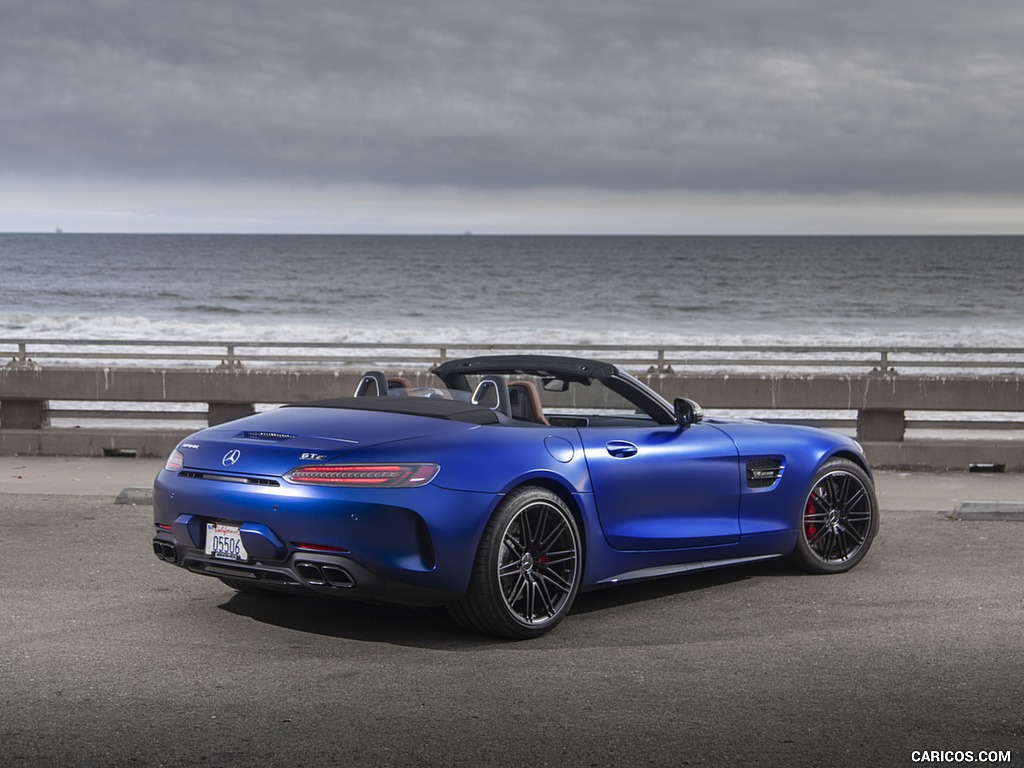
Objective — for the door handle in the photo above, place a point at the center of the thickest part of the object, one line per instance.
(621, 449)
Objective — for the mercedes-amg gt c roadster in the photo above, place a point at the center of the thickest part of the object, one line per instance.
(503, 491)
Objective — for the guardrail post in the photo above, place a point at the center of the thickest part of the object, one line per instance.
(21, 358)
(881, 425)
(220, 413)
(660, 364)
(24, 414)
(883, 364)
(231, 361)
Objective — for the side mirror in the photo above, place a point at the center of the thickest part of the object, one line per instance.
(687, 412)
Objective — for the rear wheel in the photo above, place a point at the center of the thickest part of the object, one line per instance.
(527, 570)
(838, 521)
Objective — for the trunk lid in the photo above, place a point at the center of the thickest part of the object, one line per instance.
(275, 442)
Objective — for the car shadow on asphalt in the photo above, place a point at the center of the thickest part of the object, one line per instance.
(343, 619)
(433, 629)
(637, 592)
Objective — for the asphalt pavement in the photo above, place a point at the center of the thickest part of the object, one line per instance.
(109, 657)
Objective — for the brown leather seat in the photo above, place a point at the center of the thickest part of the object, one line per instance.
(376, 384)
(525, 402)
(397, 386)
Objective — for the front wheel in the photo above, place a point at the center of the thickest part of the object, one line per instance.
(838, 521)
(527, 570)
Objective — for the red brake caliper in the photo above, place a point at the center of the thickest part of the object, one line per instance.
(812, 528)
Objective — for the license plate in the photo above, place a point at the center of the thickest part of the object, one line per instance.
(225, 542)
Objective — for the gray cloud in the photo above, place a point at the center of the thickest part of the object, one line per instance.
(779, 96)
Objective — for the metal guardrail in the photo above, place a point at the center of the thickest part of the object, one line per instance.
(935, 407)
(646, 358)
(142, 419)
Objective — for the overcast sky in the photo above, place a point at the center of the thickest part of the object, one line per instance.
(634, 116)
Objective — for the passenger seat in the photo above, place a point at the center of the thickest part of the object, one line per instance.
(525, 402)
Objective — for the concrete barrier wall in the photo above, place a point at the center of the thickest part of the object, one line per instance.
(230, 392)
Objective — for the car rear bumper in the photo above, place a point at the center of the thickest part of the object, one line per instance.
(311, 573)
(408, 546)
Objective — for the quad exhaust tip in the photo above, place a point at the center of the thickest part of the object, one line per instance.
(320, 575)
(315, 574)
(165, 551)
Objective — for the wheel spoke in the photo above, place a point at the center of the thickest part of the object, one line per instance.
(525, 529)
(545, 596)
(841, 545)
(837, 551)
(522, 588)
(510, 569)
(827, 542)
(818, 535)
(851, 503)
(845, 491)
(560, 583)
(558, 556)
(513, 544)
(548, 541)
(531, 589)
(540, 534)
(833, 490)
(816, 498)
(851, 533)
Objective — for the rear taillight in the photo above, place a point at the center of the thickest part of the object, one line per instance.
(175, 461)
(364, 475)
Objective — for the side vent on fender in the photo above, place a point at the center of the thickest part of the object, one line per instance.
(763, 473)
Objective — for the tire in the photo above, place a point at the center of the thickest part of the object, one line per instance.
(527, 569)
(838, 520)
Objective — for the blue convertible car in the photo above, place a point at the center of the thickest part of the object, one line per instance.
(503, 491)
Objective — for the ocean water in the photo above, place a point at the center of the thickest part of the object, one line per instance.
(948, 291)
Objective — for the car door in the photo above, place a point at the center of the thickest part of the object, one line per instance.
(664, 487)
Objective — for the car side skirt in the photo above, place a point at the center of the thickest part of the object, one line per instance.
(671, 570)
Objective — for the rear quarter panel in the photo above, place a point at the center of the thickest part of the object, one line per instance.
(493, 459)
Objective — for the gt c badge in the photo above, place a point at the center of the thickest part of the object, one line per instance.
(231, 458)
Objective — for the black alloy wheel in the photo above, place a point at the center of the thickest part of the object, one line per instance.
(527, 569)
(839, 519)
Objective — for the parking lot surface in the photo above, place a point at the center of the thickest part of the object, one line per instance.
(109, 657)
